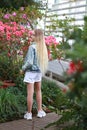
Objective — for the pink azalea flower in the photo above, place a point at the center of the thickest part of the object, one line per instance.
(24, 16)
(50, 40)
(14, 14)
(7, 16)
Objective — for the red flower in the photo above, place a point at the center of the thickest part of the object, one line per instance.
(75, 67)
(49, 55)
(72, 68)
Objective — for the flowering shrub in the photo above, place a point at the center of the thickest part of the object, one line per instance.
(52, 45)
(50, 40)
(14, 41)
(13, 38)
(24, 15)
(75, 112)
(76, 80)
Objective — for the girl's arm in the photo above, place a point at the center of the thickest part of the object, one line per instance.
(28, 59)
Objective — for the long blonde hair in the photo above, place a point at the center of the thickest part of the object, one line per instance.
(41, 49)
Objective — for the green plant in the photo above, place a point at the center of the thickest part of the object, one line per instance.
(13, 102)
(8, 70)
(53, 97)
(64, 26)
(76, 79)
(75, 112)
(13, 4)
(25, 15)
(11, 105)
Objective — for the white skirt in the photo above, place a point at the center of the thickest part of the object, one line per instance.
(32, 77)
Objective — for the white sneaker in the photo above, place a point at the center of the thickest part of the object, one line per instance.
(28, 116)
(41, 114)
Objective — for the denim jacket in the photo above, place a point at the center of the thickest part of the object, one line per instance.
(30, 61)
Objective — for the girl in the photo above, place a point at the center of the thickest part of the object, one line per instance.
(35, 66)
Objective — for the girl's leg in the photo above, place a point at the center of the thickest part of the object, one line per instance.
(40, 113)
(38, 95)
(30, 91)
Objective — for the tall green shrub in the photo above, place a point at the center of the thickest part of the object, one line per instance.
(76, 79)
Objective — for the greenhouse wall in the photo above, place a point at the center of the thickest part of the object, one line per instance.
(76, 9)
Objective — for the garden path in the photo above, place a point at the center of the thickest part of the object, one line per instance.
(35, 124)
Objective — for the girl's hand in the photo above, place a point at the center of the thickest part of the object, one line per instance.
(21, 72)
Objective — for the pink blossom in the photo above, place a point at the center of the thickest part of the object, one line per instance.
(18, 33)
(28, 23)
(31, 32)
(7, 16)
(30, 39)
(14, 13)
(50, 40)
(1, 23)
(2, 29)
(22, 8)
(8, 36)
(13, 23)
(24, 16)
